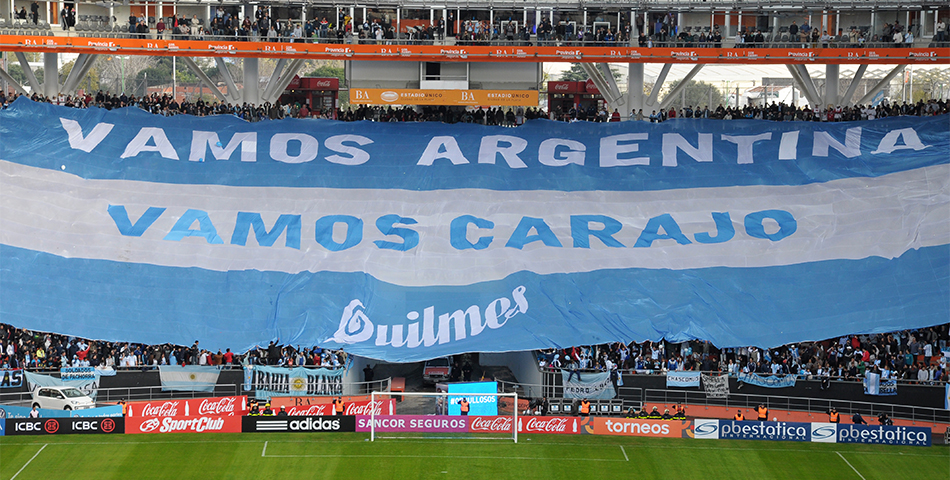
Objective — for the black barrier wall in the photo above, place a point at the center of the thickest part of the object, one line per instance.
(64, 426)
(344, 423)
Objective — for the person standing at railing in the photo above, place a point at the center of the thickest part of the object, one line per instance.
(763, 413)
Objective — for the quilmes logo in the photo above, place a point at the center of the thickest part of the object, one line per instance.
(824, 432)
(356, 327)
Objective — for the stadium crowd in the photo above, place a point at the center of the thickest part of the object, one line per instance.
(911, 355)
(165, 105)
(32, 350)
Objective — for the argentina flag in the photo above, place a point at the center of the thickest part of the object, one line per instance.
(407, 241)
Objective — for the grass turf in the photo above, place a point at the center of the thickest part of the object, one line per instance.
(351, 456)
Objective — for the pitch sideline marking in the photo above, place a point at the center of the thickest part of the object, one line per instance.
(28, 461)
(852, 466)
(264, 452)
(624, 453)
(454, 457)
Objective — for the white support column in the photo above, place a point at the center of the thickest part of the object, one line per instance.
(873, 23)
(72, 82)
(837, 24)
(491, 20)
(725, 28)
(681, 87)
(203, 77)
(233, 95)
(610, 93)
(858, 75)
(824, 21)
(739, 25)
(251, 92)
(679, 24)
(832, 72)
(281, 84)
(585, 20)
(13, 83)
(51, 74)
(660, 79)
(634, 88)
(805, 85)
(399, 19)
(879, 85)
(28, 72)
(272, 81)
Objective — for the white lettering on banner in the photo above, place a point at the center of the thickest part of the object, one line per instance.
(613, 148)
(637, 427)
(221, 406)
(309, 411)
(365, 408)
(164, 409)
(314, 424)
(491, 424)
(550, 425)
(169, 425)
(356, 327)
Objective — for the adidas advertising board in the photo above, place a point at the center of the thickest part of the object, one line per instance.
(57, 426)
(316, 424)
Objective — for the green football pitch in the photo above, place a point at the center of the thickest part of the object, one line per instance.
(351, 456)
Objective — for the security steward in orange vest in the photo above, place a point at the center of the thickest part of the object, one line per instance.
(463, 405)
(338, 406)
(834, 416)
(585, 408)
(763, 412)
(739, 416)
(254, 410)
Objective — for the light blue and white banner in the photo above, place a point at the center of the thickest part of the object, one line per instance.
(11, 378)
(873, 385)
(410, 241)
(682, 379)
(593, 386)
(88, 386)
(188, 378)
(270, 382)
(771, 381)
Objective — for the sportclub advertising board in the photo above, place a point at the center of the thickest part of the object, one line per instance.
(181, 424)
(225, 406)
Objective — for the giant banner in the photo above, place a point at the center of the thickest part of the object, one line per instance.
(410, 241)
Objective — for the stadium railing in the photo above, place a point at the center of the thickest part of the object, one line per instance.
(813, 405)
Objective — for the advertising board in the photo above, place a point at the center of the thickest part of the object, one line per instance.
(478, 404)
(414, 423)
(58, 426)
(316, 424)
(236, 405)
(182, 424)
(637, 427)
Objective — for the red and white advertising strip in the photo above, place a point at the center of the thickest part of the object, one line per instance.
(225, 406)
(196, 424)
(527, 424)
(382, 407)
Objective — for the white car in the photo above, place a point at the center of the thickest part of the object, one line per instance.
(62, 398)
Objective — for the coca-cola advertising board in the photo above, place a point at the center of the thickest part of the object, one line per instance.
(224, 406)
(278, 402)
(181, 424)
(526, 424)
(382, 407)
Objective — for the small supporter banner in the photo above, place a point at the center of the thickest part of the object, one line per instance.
(223, 406)
(77, 373)
(197, 424)
(11, 378)
(771, 381)
(682, 379)
(873, 385)
(188, 378)
(716, 386)
(594, 386)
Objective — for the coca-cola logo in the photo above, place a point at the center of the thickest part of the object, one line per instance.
(150, 425)
(164, 409)
(323, 83)
(308, 411)
(549, 425)
(490, 424)
(51, 426)
(560, 86)
(223, 405)
(366, 408)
